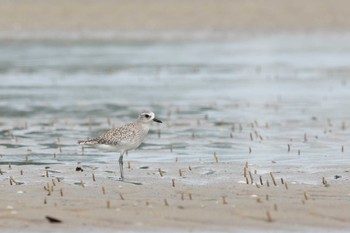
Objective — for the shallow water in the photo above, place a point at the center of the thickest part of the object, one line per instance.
(219, 97)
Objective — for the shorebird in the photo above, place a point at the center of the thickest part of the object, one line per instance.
(126, 137)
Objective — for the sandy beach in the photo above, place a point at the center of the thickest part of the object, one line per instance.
(168, 19)
(256, 133)
(210, 197)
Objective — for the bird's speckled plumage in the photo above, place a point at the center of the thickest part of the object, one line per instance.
(124, 138)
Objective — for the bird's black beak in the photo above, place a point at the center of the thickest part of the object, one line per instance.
(156, 120)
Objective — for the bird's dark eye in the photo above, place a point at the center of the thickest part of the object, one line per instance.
(147, 116)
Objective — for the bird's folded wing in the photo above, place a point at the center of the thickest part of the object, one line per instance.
(118, 136)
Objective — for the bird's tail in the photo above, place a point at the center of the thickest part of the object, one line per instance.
(88, 141)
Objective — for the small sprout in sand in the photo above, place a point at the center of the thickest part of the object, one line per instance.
(282, 181)
(324, 181)
(46, 173)
(93, 177)
(245, 172)
(10, 167)
(285, 185)
(258, 200)
(273, 179)
(160, 172)
(53, 182)
(246, 180)
(45, 201)
(180, 172)
(129, 165)
(103, 190)
(267, 183)
(288, 147)
(224, 200)
(251, 177)
(190, 168)
(121, 196)
(21, 172)
(12, 181)
(173, 182)
(216, 157)
(190, 196)
(1, 173)
(250, 150)
(342, 148)
(268, 215)
(261, 182)
(251, 137)
(306, 196)
(108, 204)
(166, 202)
(176, 159)
(61, 192)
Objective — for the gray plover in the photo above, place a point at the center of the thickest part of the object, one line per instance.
(124, 138)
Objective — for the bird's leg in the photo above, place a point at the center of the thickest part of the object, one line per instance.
(121, 166)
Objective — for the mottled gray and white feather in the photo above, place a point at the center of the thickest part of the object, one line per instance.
(127, 137)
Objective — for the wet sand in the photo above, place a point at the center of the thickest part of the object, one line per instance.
(202, 197)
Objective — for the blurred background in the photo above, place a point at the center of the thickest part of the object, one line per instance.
(230, 77)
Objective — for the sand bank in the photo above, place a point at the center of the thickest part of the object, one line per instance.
(173, 18)
(187, 197)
